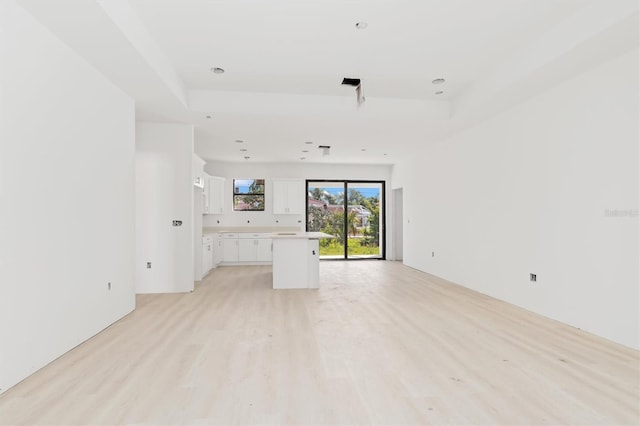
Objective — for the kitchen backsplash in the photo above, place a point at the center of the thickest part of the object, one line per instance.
(253, 219)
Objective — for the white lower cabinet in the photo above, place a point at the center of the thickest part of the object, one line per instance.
(217, 250)
(247, 247)
(246, 250)
(230, 247)
(254, 247)
(207, 255)
(264, 250)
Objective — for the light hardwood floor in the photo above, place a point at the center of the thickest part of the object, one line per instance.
(378, 343)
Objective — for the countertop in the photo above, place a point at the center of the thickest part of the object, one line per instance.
(256, 229)
(300, 235)
(277, 232)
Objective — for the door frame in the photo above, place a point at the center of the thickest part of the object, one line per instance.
(397, 221)
(383, 213)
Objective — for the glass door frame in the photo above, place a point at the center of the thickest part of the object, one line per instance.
(383, 214)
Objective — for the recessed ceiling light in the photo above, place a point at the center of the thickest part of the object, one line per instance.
(207, 117)
(438, 81)
(363, 149)
(303, 158)
(361, 25)
(243, 149)
(239, 141)
(439, 92)
(308, 143)
(246, 158)
(217, 70)
(305, 150)
(385, 154)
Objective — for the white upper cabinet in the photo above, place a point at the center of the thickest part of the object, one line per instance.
(197, 171)
(205, 194)
(215, 195)
(288, 196)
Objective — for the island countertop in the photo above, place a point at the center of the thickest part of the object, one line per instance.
(300, 235)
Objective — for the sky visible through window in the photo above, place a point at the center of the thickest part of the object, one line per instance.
(243, 186)
(366, 192)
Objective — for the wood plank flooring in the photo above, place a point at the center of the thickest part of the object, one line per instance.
(378, 343)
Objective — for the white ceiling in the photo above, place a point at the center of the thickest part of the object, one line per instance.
(307, 47)
(285, 59)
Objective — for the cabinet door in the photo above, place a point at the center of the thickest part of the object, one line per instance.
(217, 251)
(263, 250)
(288, 197)
(295, 197)
(216, 194)
(230, 250)
(205, 194)
(207, 258)
(246, 250)
(279, 197)
(205, 202)
(205, 266)
(209, 254)
(197, 171)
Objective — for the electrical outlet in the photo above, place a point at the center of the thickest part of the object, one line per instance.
(532, 278)
(108, 286)
(148, 265)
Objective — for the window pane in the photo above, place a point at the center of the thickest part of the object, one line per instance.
(364, 219)
(248, 186)
(248, 202)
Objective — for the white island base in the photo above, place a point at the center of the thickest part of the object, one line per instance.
(296, 259)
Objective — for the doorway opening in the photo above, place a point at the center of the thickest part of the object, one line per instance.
(352, 211)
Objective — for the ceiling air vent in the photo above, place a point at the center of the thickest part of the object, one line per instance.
(325, 149)
(355, 82)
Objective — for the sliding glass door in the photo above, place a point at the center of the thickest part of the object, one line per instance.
(352, 211)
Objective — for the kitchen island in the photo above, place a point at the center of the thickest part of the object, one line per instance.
(296, 259)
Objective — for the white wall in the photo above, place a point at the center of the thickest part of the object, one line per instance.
(164, 192)
(270, 171)
(66, 198)
(527, 192)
